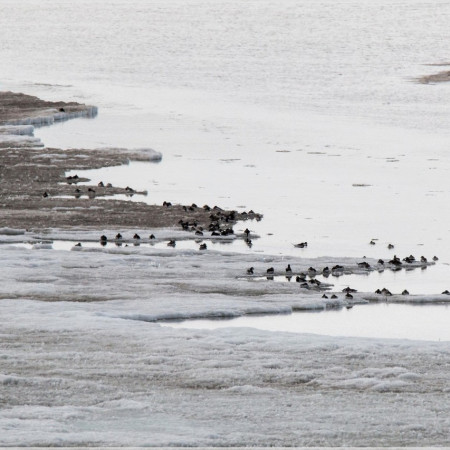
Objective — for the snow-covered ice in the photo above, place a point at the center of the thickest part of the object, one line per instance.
(81, 364)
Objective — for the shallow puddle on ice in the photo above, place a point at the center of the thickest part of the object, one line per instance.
(376, 320)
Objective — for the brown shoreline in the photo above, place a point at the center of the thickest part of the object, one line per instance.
(33, 179)
(441, 77)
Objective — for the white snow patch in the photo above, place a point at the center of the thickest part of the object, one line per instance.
(137, 154)
(42, 246)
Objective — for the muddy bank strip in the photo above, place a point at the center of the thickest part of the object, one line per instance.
(36, 194)
(440, 77)
(21, 109)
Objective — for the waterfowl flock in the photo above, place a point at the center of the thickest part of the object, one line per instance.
(220, 221)
(221, 225)
(103, 187)
(307, 279)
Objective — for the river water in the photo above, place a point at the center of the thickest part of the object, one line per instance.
(378, 320)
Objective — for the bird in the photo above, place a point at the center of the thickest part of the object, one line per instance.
(270, 270)
(405, 292)
(250, 271)
(435, 258)
(70, 179)
(288, 269)
(45, 195)
(152, 236)
(390, 246)
(247, 232)
(101, 184)
(118, 236)
(324, 296)
(348, 290)
(171, 243)
(136, 236)
(395, 261)
(372, 242)
(301, 245)
(203, 247)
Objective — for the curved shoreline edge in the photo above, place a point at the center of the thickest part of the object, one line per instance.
(35, 192)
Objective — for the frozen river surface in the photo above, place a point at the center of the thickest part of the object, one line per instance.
(307, 112)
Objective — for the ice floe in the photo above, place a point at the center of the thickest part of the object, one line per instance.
(19, 141)
(17, 130)
(50, 116)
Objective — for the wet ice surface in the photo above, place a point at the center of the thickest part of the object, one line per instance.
(303, 111)
(417, 280)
